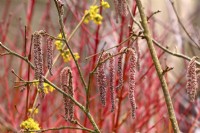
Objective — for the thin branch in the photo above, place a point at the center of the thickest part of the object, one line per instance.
(116, 46)
(103, 61)
(55, 38)
(6, 53)
(180, 22)
(166, 49)
(66, 42)
(17, 75)
(63, 127)
(133, 18)
(149, 17)
(158, 67)
(17, 55)
(78, 67)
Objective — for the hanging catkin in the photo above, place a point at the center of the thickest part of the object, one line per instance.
(36, 44)
(137, 49)
(66, 84)
(132, 72)
(50, 54)
(116, 10)
(192, 85)
(101, 79)
(112, 82)
(120, 69)
(38, 59)
(123, 9)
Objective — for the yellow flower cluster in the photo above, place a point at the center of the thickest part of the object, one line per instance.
(93, 13)
(34, 111)
(105, 4)
(64, 53)
(67, 56)
(29, 124)
(47, 88)
(58, 43)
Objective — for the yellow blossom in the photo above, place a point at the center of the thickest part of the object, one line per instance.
(87, 17)
(93, 15)
(93, 11)
(60, 36)
(29, 124)
(35, 110)
(105, 4)
(67, 56)
(98, 19)
(47, 88)
(58, 44)
(76, 55)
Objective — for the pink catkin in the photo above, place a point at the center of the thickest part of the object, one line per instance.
(192, 85)
(116, 9)
(137, 48)
(122, 8)
(101, 80)
(132, 72)
(50, 54)
(66, 81)
(36, 44)
(120, 69)
(112, 82)
(71, 93)
(38, 59)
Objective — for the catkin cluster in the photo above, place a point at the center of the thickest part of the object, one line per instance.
(38, 57)
(66, 84)
(192, 84)
(102, 82)
(132, 72)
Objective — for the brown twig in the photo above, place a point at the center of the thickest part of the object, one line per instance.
(149, 17)
(158, 67)
(116, 46)
(180, 22)
(63, 127)
(17, 55)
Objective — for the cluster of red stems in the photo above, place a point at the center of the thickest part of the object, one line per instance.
(193, 80)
